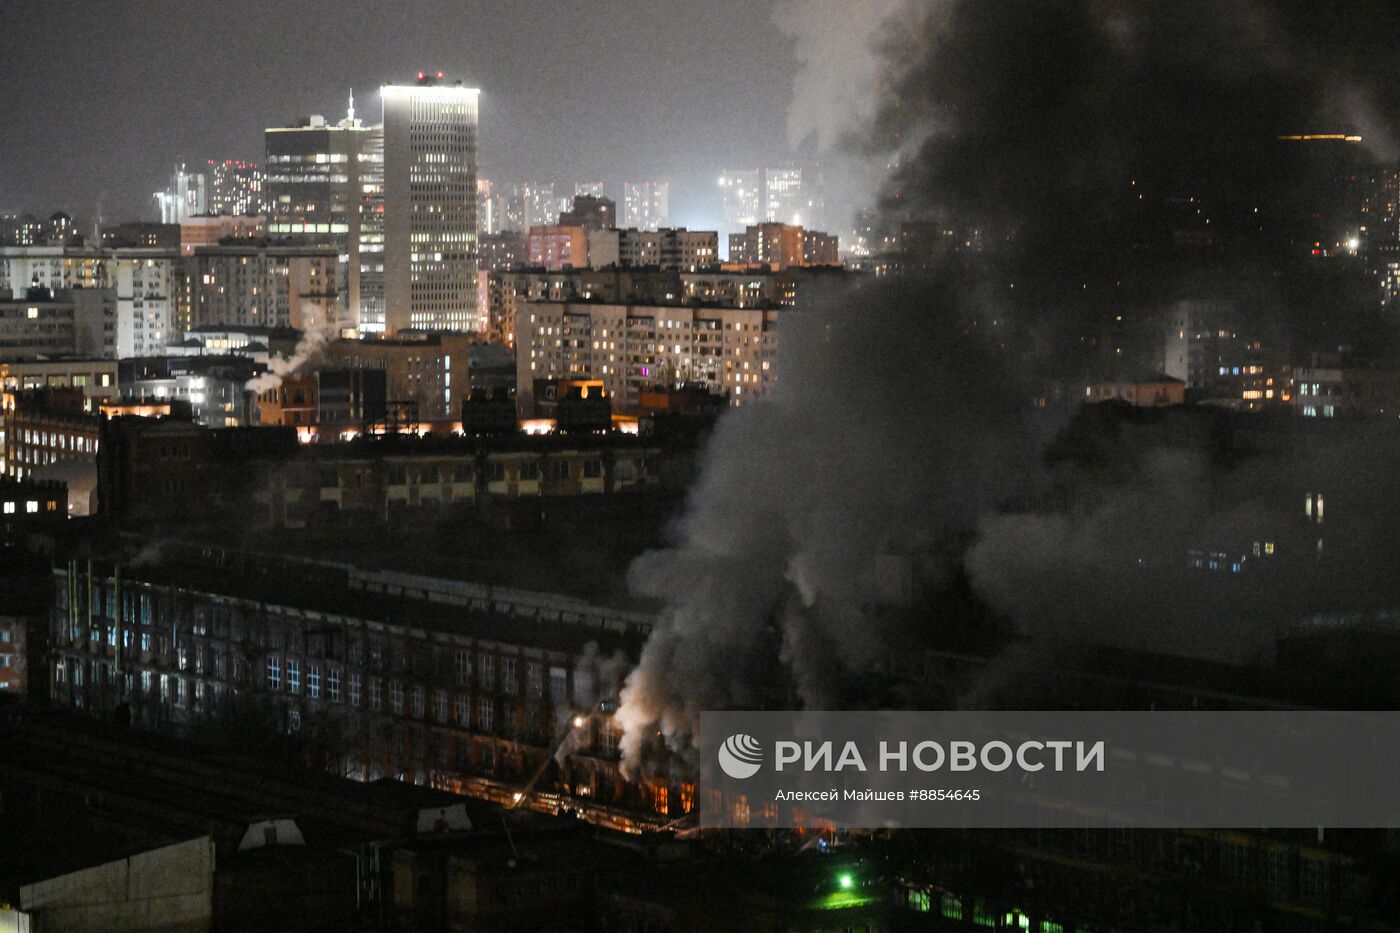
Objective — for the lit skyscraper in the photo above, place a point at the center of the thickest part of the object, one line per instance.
(324, 187)
(186, 197)
(489, 208)
(646, 205)
(235, 187)
(538, 205)
(784, 199)
(430, 233)
(742, 195)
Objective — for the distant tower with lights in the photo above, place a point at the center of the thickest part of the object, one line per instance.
(324, 188)
(646, 205)
(430, 231)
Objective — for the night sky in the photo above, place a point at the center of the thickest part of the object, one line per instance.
(101, 99)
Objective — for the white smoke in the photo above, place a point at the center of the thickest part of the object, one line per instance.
(841, 51)
(317, 331)
(596, 679)
(836, 46)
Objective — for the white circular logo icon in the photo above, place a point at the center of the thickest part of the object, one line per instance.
(740, 756)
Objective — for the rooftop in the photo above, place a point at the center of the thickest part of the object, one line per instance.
(323, 588)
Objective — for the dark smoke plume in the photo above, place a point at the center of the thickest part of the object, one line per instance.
(1084, 142)
(1076, 127)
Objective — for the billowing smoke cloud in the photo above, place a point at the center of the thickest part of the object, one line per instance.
(818, 506)
(1085, 141)
(1181, 532)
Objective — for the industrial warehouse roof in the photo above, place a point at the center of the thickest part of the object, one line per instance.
(481, 613)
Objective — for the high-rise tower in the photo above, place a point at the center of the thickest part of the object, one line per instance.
(325, 188)
(430, 233)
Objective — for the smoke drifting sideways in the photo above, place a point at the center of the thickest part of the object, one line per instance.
(1196, 533)
(317, 331)
(1138, 152)
(903, 429)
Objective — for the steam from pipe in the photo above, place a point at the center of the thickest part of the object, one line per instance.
(317, 331)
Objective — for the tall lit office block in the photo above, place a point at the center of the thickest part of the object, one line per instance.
(646, 205)
(325, 188)
(430, 230)
(742, 194)
(235, 187)
(187, 196)
(784, 197)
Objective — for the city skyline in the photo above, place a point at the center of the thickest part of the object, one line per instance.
(556, 118)
(560, 480)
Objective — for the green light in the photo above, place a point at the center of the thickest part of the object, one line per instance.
(846, 881)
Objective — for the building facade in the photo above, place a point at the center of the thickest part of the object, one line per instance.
(646, 205)
(47, 427)
(141, 233)
(741, 196)
(592, 211)
(784, 198)
(55, 267)
(97, 378)
(186, 196)
(264, 286)
(821, 249)
(430, 371)
(559, 247)
(676, 250)
(214, 387)
(212, 229)
(466, 693)
(150, 286)
(780, 246)
(42, 322)
(730, 351)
